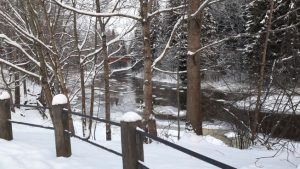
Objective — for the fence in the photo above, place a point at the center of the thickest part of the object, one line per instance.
(132, 137)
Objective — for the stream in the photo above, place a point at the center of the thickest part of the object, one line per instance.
(127, 95)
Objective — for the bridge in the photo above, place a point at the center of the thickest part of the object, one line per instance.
(117, 62)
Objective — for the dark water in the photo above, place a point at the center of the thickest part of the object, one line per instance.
(126, 94)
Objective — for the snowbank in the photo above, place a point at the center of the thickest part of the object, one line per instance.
(273, 103)
(34, 148)
(59, 99)
(4, 95)
(169, 111)
(158, 77)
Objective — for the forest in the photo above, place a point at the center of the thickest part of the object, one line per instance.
(181, 64)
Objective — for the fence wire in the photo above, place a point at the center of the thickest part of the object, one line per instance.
(97, 119)
(186, 151)
(31, 106)
(142, 133)
(32, 125)
(72, 135)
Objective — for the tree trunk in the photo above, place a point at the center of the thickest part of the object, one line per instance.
(106, 83)
(17, 82)
(93, 84)
(254, 120)
(106, 73)
(194, 112)
(24, 87)
(178, 101)
(81, 70)
(148, 111)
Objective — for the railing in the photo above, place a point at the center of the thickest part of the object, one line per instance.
(184, 150)
(132, 137)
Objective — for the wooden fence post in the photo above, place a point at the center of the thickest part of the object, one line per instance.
(61, 123)
(5, 117)
(132, 143)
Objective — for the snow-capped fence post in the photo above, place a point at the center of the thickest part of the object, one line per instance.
(5, 117)
(61, 123)
(132, 143)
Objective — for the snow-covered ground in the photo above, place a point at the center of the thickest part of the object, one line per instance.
(34, 148)
(273, 103)
(169, 111)
(158, 77)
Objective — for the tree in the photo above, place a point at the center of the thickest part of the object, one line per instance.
(194, 113)
(34, 33)
(272, 51)
(150, 124)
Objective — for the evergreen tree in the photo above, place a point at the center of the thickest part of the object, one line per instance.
(178, 52)
(136, 47)
(284, 41)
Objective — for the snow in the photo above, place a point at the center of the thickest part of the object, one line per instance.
(169, 111)
(34, 148)
(168, 45)
(95, 14)
(152, 117)
(273, 103)
(190, 53)
(15, 44)
(131, 117)
(230, 135)
(59, 99)
(158, 77)
(4, 95)
(19, 68)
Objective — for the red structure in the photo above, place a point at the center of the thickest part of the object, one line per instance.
(119, 59)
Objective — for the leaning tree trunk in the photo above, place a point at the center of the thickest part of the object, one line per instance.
(106, 72)
(194, 112)
(150, 124)
(257, 111)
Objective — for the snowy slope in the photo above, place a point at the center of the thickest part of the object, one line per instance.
(34, 148)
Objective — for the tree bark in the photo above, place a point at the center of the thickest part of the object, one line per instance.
(194, 112)
(148, 111)
(81, 71)
(17, 82)
(106, 72)
(93, 83)
(254, 122)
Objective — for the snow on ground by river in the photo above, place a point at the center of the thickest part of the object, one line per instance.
(169, 111)
(273, 103)
(159, 77)
(34, 148)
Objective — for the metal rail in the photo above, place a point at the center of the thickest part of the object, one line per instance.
(97, 119)
(186, 151)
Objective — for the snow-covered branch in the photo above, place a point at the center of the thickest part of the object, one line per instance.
(242, 35)
(95, 14)
(201, 7)
(126, 68)
(165, 10)
(168, 46)
(25, 33)
(15, 44)
(19, 68)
